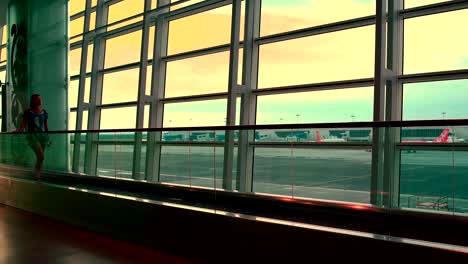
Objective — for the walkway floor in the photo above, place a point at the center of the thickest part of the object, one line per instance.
(29, 238)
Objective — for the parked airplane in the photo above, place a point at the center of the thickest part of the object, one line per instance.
(332, 139)
(443, 138)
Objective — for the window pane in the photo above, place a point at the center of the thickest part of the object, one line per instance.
(430, 47)
(4, 34)
(184, 4)
(76, 26)
(115, 160)
(92, 21)
(2, 76)
(202, 113)
(73, 94)
(280, 16)
(89, 62)
(435, 100)
(149, 76)
(76, 6)
(72, 121)
(151, 43)
(344, 105)
(342, 175)
(124, 9)
(87, 89)
(117, 118)
(198, 75)
(341, 55)
(94, 3)
(414, 3)
(199, 31)
(123, 50)
(3, 54)
(188, 165)
(120, 86)
(75, 61)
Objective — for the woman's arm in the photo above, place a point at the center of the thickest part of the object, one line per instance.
(46, 125)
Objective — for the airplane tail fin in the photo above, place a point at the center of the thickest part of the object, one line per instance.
(317, 136)
(444, 136)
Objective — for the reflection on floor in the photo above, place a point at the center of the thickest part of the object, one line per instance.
(28, 238)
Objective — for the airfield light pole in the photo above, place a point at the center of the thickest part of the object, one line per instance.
(297, 118)
(443, 115)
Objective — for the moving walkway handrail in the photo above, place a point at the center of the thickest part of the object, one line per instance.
(371, 124)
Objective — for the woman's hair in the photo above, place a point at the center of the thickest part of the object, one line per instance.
(31, 101)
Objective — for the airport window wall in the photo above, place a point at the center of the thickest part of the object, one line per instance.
(147, 63)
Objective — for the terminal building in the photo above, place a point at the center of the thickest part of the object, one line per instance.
(233, 131)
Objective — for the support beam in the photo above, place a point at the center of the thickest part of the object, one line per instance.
(136, 170)
(232, 95)
(248, 99)
(153, 151)
(94, 112)
(81, 91)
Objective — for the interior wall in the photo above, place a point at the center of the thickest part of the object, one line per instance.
(38, 59)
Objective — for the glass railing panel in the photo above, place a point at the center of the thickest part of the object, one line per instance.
(115, 154)
(433, 169)
(330, 164)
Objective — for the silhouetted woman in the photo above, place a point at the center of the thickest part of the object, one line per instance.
(35, 121)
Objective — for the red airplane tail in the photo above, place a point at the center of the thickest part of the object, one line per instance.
(317, 136)
(443, 138)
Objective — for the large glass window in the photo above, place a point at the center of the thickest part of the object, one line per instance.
(198, 75)
(344, 105)
(342, 55)
(429, 46)
(120, 86)
(203, 30)
(123, 49)
(280, 16)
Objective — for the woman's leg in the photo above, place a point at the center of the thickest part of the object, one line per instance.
(39, 151)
